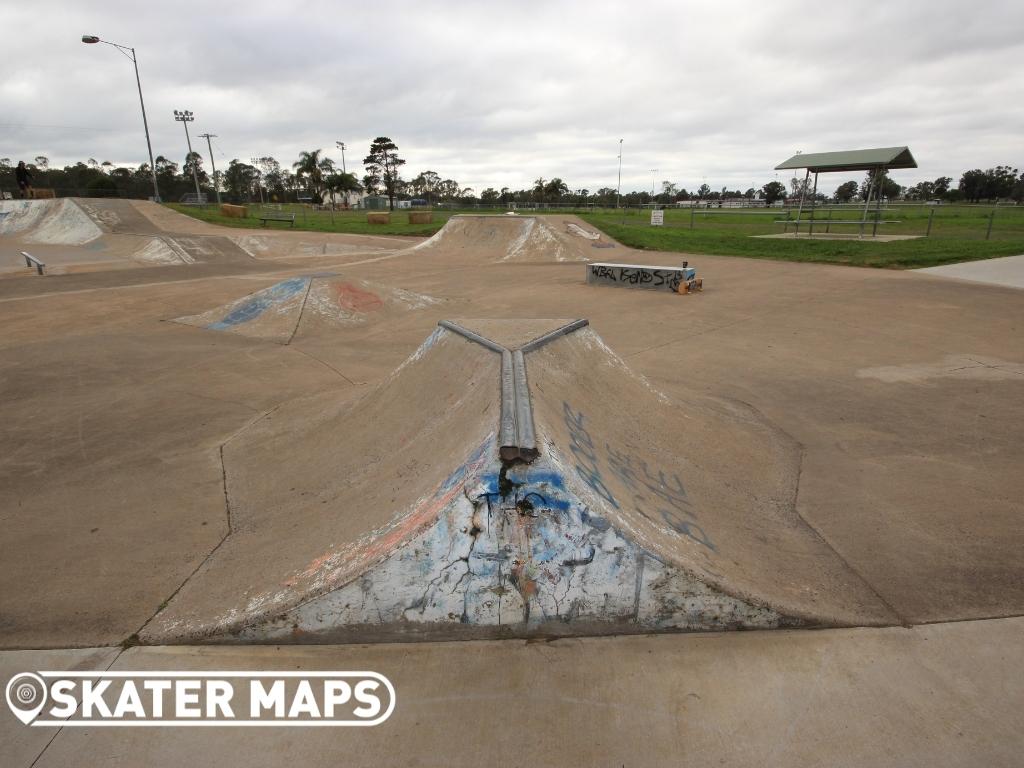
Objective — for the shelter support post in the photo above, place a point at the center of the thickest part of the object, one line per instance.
(800, 208)
(867, 204)
(878, 203)
(814, 200)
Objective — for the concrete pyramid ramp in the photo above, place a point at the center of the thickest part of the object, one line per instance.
(310, 301)
(396, 517)
(497, 238)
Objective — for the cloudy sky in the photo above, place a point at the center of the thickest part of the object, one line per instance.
(498, 94)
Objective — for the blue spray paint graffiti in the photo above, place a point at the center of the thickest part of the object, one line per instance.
(260, 302)
(654, 495)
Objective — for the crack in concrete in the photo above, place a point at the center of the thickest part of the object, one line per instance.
(325, 364)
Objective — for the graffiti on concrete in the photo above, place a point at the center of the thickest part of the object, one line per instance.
(255, 305)
(639, 277)
(677, 279)
(354, 298)
(655, 495)
(517, 551)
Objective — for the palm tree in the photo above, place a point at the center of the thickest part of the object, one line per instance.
(538, 189)
(309, 164)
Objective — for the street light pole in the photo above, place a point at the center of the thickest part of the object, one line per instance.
(213, 163)
(185, 117)
(130, 53)
(654, 171)
(618, 189)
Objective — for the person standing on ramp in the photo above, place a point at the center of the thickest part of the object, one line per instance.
(24, 179)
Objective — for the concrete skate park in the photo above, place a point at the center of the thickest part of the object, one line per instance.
(684, 524)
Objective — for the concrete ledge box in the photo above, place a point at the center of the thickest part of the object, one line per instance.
(682, 279)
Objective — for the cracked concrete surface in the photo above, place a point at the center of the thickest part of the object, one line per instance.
(532, 560)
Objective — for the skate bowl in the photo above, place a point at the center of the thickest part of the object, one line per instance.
(308, 302)
(499, 238)
(396, 517)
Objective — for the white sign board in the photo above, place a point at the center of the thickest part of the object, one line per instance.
(657, 218)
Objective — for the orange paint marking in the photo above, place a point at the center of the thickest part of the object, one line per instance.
(356, 299)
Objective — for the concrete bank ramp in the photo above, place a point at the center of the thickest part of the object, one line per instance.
(47, 222)
(81, 234)
(307, 303)
(394, 518)
(496, 238)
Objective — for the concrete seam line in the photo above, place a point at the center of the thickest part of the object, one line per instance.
(550, 336)
(302, 308)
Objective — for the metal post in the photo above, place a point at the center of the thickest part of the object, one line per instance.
(259, 186)
(145, 127)
(814, 200)
(827, 226)
(931, 215)
(800, 209)
(692, 207)
(213, 163)
(618, 189)
(130, 53)
(991, 218)
(867, 203)
(185, 117)
(878, 203)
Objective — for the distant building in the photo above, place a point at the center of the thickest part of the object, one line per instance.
(349, 199)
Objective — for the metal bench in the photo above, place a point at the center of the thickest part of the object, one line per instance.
(830, 222)
(191, 198)
(266, 216)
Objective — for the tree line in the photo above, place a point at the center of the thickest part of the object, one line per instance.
(316, 177)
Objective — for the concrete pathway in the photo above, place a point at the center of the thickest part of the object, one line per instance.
(931, 696)
(1007, 271)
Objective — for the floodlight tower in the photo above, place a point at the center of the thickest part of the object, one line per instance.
(259, 185)
(185, 117)
(654, 172)
(341, 146)
(130, 53)
(618, 189)
(213, 163)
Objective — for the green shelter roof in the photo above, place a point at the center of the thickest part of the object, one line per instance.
(851, 160)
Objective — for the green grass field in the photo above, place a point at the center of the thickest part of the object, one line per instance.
(957, 232)
(350, 222)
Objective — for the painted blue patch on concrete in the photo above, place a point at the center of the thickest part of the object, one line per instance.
(260, 302)
(541, 487)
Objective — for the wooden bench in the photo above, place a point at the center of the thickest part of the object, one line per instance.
(266, 216)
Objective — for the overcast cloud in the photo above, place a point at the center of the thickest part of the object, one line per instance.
(497, 95)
